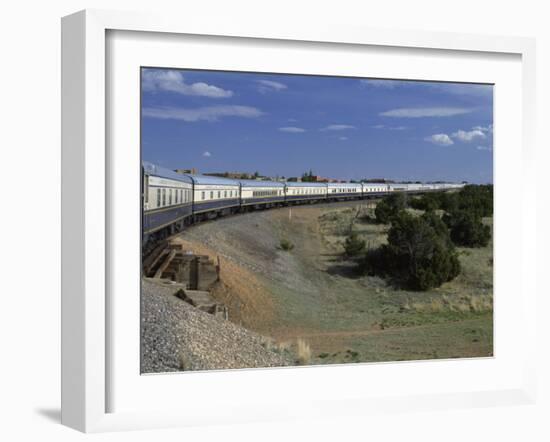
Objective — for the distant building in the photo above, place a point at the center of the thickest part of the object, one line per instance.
(377, 180)
(192, 171)
(232, 175)
(321, 179)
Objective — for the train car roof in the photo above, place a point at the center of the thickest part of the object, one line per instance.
(162, 172)
(304, 184)
(375, 184)
(214, 180)
(343, 184)
(259, 183)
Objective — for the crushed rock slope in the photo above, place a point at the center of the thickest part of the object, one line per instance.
(176, 336)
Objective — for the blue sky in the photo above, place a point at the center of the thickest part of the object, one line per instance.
(345, 128)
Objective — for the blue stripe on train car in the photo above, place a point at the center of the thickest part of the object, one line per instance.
(305, 197)
(332, 195)
(155, 220)
(375, 193)
(205, 206)
(249, 201)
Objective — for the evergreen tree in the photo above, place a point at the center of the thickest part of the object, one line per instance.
(419, 254)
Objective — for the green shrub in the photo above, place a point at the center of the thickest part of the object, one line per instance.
(419, 254)
(383, 212)
(390, 207)
(476, 199)
(397, 201)
(467, 229)
(286, 245)
(427, 202)
(353, 245)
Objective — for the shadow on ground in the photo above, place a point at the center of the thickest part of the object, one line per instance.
(51, 414)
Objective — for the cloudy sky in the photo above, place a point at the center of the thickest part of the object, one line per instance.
(346, 128)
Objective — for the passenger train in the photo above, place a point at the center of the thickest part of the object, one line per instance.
(172, 200)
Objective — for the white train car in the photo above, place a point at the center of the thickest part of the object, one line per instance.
(167, 198)
(214, 194)
(344, 190)
(375, 189)
(398, 187)
(261, 193)
(303, 191)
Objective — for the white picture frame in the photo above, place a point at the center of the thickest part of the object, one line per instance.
(86, 315)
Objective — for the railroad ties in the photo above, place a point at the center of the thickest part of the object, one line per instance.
(192, 275)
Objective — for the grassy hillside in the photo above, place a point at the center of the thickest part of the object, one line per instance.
(313, 294)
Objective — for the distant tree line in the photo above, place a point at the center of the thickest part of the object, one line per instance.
(308, 176)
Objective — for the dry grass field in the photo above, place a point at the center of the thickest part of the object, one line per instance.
(310, 298)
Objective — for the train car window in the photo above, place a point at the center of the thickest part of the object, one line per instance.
(169, 197)
(163, 197)
(203, 195)
(158, 197)
(211, 195)
(225, 194)
(219, 194)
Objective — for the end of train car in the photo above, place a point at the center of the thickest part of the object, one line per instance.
(167, 200)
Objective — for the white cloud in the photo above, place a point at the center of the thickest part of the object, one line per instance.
(173, 81)
(269, 86)
(468, 136)
(338, 127)
(343, 138)
(478, 91)
(382, 126)
(420, 112)
(387, 84)
(206, 154)
(475, 90)
(461, 89)
(291, 129)
(208, 113)
(440, 139)
(484, 129)
(484, 148)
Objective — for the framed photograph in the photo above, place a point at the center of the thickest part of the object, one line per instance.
(278, 223)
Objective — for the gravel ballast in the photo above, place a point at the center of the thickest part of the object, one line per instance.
(176, 336)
